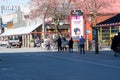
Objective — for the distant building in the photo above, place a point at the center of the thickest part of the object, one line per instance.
(1, 28)
(0, 22)
(19, 21)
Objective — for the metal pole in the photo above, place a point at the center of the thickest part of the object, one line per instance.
(87, 42)
(43, 28)
(96, 41)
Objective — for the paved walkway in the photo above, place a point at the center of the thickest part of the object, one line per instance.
(9, 50)
(34, 64)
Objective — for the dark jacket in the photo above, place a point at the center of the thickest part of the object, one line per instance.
(115, 43)
(59, 41)
(70, 43)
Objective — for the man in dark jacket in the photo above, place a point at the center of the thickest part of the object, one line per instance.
(113, 46)
(70, 43)
(59, 43)
(116, 44)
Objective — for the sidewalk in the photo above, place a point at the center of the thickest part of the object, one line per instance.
(38, 65)
(9, 50)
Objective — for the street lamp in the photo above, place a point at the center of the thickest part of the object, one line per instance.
(96, 39)
(92, 19)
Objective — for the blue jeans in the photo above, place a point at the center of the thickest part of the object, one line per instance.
(82, 48)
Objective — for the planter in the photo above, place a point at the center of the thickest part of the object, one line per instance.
(32, 44)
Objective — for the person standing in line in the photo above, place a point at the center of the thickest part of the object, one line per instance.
(59, 44)
(64, 43)
(70, 44)
(82, 44)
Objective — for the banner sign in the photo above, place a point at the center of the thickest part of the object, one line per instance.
(76, 23)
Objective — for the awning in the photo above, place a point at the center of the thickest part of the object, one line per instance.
(115, 20)
(51, 26)
(20, 31)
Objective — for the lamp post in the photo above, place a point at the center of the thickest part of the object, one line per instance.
(93, 21)
(43, 28)
(96, 40)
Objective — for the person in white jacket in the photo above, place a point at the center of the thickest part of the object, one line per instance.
(64, 44)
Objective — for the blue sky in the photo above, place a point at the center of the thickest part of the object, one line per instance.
(11, 3)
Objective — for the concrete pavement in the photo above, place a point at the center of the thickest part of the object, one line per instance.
(37, 64)
(9, 50)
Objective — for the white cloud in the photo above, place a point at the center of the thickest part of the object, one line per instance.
(25, 9)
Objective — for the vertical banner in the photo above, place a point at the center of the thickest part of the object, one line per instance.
(76, 23)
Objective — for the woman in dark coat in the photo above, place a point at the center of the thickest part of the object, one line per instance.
(59, 44)
(70, 43)
(114, 45)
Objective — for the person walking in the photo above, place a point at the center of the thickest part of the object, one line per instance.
(116, 44)
(59, 44)
(82, 45)
(48, 42)
(70, 44)
(37, 42)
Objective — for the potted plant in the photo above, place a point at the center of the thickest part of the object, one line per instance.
(32, 43)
